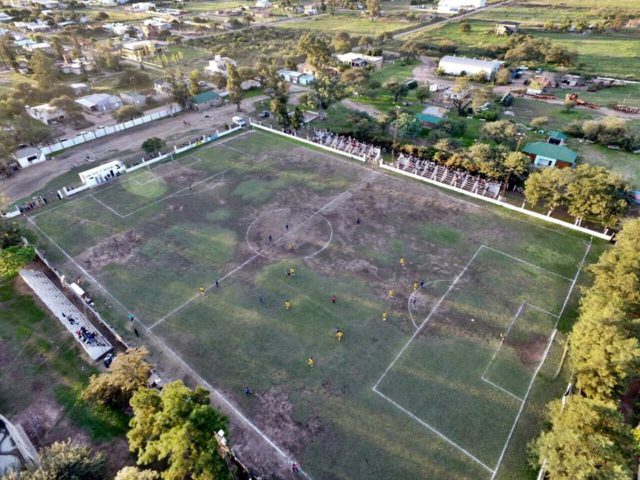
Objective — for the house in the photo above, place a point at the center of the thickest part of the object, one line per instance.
(431, 116)
(49, 4)
(162, 87)
(452, 7)
(154, 27)
(557, 138)
(79, 88)
(133, 98)
(143, 6)
(452, 65)
(219, 65)
(360, 60)
(542, 82)
(507, 28)
(29, 156)
(138, 50)
(310, 9)
(99, 102)
(102, 173)
(76, 67)
(4, 17)
(263, 4)
(297, 78)
(46, 114)
(549, 155)
(205, 100)
(33, 27)
(44, 46)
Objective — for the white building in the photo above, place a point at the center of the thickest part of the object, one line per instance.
(4, 17)
(102, 173)
(451, 65)
(46, 113)
(219, 65)
(29, 156)
(453, 7)
(79, 88)
(99, 102)
(143, 6)
(360, 60)
(263, 4)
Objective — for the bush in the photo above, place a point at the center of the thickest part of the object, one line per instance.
(12, 259)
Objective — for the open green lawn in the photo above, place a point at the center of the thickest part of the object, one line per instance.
(207, 6)
(627, 94)
(625, 164)
(353, 23)
(371, 405)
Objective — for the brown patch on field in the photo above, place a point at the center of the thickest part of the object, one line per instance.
(531, 352)
(275, 418)
(118, 248)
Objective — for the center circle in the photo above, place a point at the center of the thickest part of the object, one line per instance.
(288, 233)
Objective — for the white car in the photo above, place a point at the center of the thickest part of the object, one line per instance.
(239, 121)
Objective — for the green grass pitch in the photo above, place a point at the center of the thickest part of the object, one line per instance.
(432, 392)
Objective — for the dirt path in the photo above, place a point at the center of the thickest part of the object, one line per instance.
(431, 26)
(362, 107)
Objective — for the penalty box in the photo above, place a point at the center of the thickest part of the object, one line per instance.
(466, 372)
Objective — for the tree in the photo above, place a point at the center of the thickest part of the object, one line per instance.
(72, 108)
(602, 356)
(128, 373)
(503, 76)
(423, 93)
(13, 258)
(397, 89)
(373, 8)
(153, 145)
(462, 99)
(219, 80)
(126, 113)
(560, 55)
(66, 460)
(8, 52)
(331, 7)
(177, 426)
(315, 49)
(547, 186)
(407, 125)
(616, 280)
(598, 193)
(515, 163)
(194, 82)
(44, 71)
(501, 131)
(234, 85)
(179, 89)
(465, 27)
(279, 110)
(297, 119)
(341, 42)
(588, 439)
(133, 473)
(56, 44)
(539, 122)
(409, 51)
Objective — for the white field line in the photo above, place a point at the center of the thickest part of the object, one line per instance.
(413, 294)
(260, 254)
(177, 167)
(433, 310)
(106, 206)
(495, 353)
(178, 358)
(542, 310)
(544, 357)
(511, 394)
(528, 263)
(430, 428)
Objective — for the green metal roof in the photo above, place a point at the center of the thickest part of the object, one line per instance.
(424, 117)
(205, 97)
(548, 150)
(558, 135)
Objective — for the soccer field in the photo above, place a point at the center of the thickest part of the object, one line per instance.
(437, 390)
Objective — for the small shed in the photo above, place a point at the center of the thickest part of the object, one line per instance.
(431, 117)
(206, 100)
(133, 98)
(548, 155)
(29, 156)
(102, 173)
(557, 138)
(507, 28)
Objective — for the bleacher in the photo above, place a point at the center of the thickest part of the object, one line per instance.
(455, 178)
(66, 312)
(347, 144)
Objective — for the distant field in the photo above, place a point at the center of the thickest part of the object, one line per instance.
(352, 23)
(610, 54)
(196, 6)
(625, 164)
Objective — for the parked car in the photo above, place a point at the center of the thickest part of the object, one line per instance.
(239, 121)
(264, 114)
